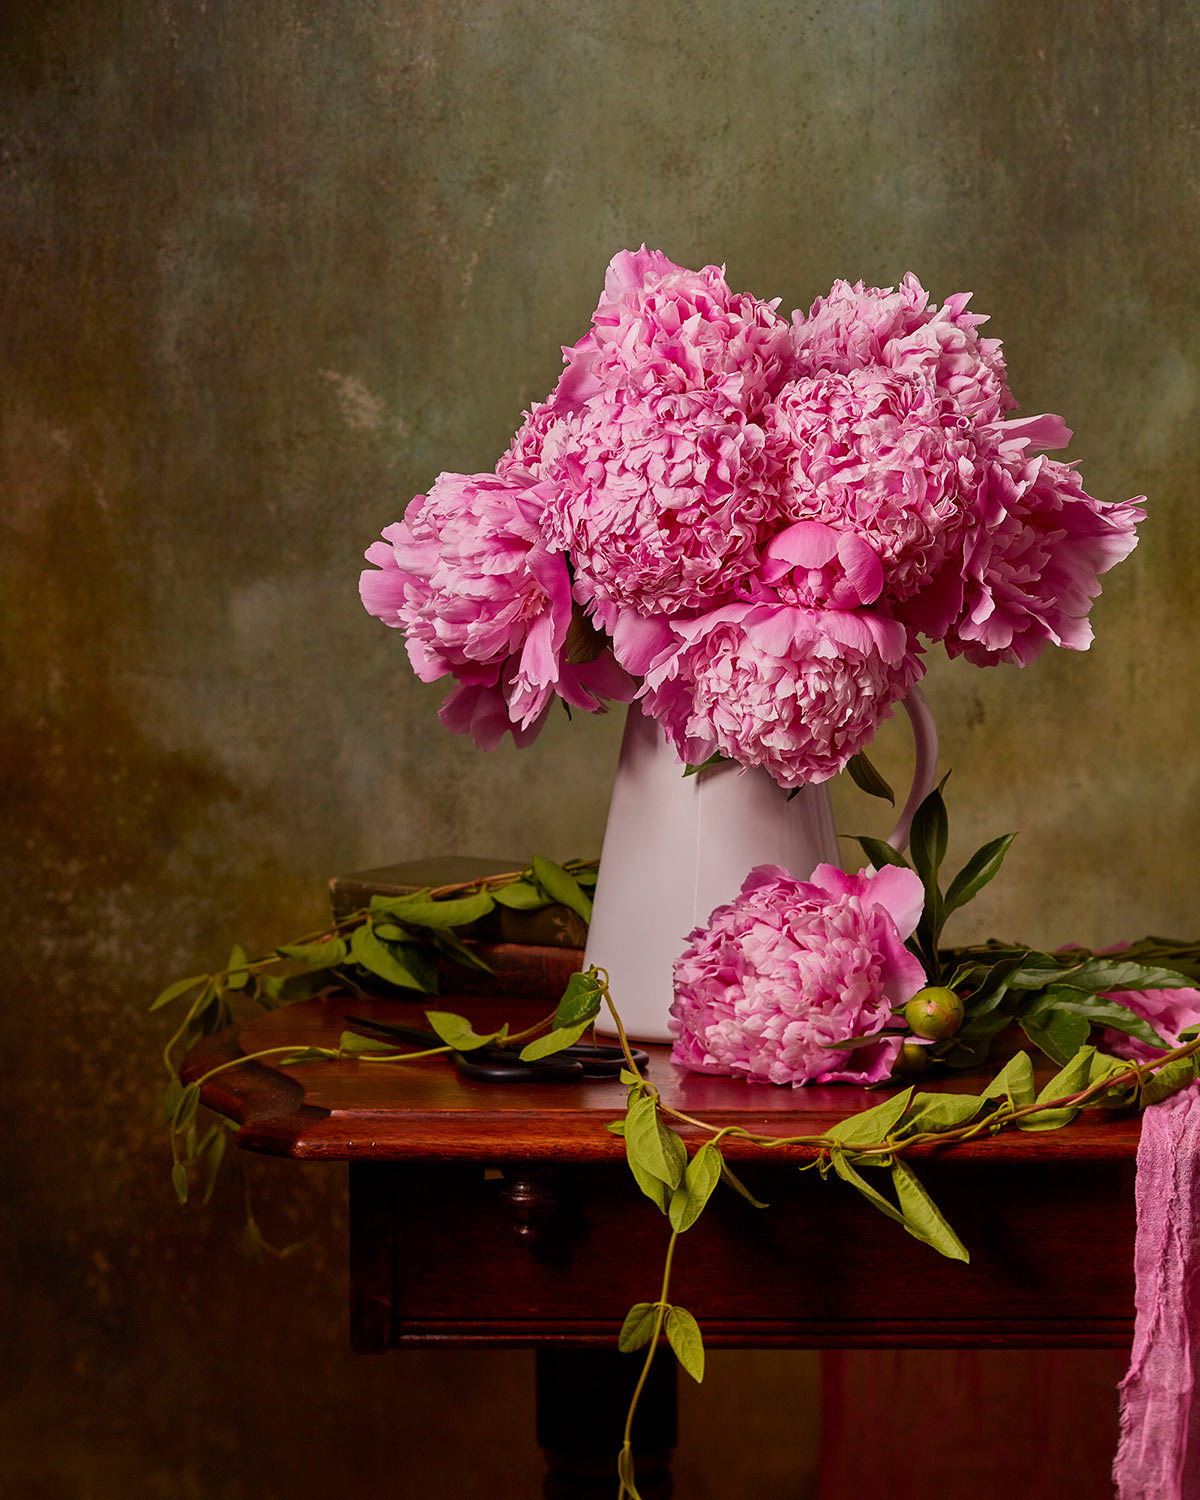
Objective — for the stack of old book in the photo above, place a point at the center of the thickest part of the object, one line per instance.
(527, 952)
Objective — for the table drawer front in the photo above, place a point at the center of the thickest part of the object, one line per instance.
(447, 1253)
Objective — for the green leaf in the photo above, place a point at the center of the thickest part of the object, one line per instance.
(616, 1127)
(731, 1179)
(684, 1337)
(457, 1032)
(847, 1171)
(654, 1187)
(1013, 1082)
(553, 1041)
(866, 777)
(304, 986)
(625, 1473)
(939, 1112)
(318, 1054)
(586, 875)
(988, 984)
(715, 759)
(659, 1151)
(179, 1181)
(700, 1178)
(982, 866)
(1087, 1067)
(1112, 1013)
(562, 887)
(927, 842)
(236, 974)
(872, 1125)
(185, 1110)
(1098, 975)
(390, 932)
(1169, 1079)
(316, 955)
(922, 1217)
(638, 1327)
(881, 853)
(581, 999)
(171, 1098)
(180, 987)
(849, 1043)
(421, 909)
(450, 944)
(1058, 1033)
(210, 1169)
(351, 1041)
(972, 1044)
(522, 895)
(382, 961)
(252, 1241)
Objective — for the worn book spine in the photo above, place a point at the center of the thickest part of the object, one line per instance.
(519, 971)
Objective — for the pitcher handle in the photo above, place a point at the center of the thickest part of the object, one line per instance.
(925, 772)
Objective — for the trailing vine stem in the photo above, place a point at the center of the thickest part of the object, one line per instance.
(662, 1307)
(1003, 1116)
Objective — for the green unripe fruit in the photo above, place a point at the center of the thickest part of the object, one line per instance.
(934, 1013)
(910, 1060)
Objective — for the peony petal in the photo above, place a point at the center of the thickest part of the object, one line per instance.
(864, 571)
(640, 640)
(807, 544)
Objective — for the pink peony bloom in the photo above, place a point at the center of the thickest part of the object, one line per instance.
(811, 563)
(1168, 1011)
(537, 444)
(789, 968)
(661, 503)
(1028, 570)
(795, 690)
(856, 327)
(883, 457)
(468, 578)
(660, 328)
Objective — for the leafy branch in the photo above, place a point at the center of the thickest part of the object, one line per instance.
(680, 1185)
(396, 940)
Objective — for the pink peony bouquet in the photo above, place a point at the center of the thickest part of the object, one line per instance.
(791, 968)
(749, 525)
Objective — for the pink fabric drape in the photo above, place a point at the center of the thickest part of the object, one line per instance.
(1159, 1453)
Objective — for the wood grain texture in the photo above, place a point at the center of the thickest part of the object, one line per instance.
(424, 1111)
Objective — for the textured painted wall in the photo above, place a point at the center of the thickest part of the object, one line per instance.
(269, 267)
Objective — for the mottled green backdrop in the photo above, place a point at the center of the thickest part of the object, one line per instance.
(269, 266)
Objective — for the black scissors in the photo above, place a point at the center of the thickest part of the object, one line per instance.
(494, 1064)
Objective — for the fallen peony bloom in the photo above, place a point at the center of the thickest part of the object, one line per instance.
(789, 968)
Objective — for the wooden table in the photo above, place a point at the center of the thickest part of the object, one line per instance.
(504, 1214)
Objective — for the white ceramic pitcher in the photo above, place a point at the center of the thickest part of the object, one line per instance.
(678, 846)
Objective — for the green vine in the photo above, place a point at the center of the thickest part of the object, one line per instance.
(394, 941)
(975, 993)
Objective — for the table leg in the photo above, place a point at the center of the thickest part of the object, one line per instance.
(582, 1399)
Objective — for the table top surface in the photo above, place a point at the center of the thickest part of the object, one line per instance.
(352, 1110)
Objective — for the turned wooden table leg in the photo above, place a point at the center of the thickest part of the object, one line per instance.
(582, 1398)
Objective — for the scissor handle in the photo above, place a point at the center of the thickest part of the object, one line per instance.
(496, 1067)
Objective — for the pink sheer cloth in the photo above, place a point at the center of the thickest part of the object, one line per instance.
(1159, 1453)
